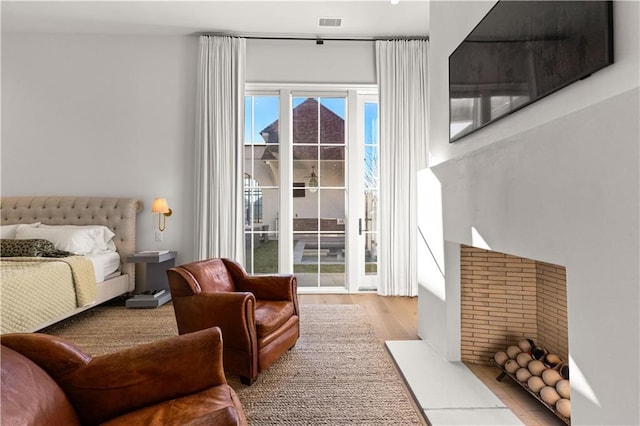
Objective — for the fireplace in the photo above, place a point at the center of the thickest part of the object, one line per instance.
(505, 298)
(506, 301)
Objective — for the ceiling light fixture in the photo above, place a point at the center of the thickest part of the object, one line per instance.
(395, 1)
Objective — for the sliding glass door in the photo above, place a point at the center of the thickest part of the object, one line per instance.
(310, 160)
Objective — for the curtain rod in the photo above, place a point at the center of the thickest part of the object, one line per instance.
(318, 39)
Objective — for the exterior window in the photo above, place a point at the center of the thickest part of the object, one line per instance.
(261, 183)
(252, 200)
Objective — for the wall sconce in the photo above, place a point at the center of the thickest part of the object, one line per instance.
(313, 180)
(160, 206)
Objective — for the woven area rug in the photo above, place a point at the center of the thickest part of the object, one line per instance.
(338, 372)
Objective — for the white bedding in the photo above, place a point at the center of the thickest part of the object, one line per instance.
(104, 264)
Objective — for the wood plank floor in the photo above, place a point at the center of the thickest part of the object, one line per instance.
(393, 318)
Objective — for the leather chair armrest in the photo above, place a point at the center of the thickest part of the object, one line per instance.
(232, 312)
(54, 355)
(111, 385)
(270, 287)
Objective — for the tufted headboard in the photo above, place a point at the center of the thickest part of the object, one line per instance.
(119, 214)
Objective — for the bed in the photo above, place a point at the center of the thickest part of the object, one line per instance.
(31, 299)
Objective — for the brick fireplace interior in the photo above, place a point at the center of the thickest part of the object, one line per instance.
(505, 298)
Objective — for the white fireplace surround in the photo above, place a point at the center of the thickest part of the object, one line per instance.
(559, 182)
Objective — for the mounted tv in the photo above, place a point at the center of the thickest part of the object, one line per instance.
(522, 51)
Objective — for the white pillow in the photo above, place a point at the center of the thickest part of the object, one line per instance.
(76, 240)
(104, 235)
(8, 232)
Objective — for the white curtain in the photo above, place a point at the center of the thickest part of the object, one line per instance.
(402, 84)
(219, 148)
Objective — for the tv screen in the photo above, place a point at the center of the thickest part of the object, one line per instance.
(522, 51)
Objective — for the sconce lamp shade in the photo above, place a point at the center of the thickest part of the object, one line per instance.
(160, 206)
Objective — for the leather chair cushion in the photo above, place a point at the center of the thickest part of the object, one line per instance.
(271, 315)
(213, 406)
(30, 395)
(212, 276)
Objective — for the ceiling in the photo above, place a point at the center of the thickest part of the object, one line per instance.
(360, 19)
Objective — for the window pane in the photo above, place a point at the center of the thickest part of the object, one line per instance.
(261, 228)
(271, 153)
(371, 255)
(271, 209)
(305, 212)
(305, 259)
(265, 172)
(306, 153)
(371, 123)
(332, 260)
(261, 184)
(332, 166)
(266, 253)
(305, 120)
(305, 170)
(332, 120)
(370, 166)
(371, 234)
(332, 208)
(261, 119)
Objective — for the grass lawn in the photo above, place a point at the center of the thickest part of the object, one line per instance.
(266, 261)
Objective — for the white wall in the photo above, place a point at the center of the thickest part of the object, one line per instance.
(105, 116)
(304, 61)
(110, 115)
(558, 181)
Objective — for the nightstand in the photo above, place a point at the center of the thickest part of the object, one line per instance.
(156, 285)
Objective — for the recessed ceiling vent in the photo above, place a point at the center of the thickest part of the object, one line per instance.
(330, 22)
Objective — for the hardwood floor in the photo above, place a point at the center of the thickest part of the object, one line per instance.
(393, 318)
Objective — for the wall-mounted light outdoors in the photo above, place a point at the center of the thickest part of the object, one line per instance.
(160, 206)
(313, 180)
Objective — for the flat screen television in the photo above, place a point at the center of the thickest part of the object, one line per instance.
(522, 51)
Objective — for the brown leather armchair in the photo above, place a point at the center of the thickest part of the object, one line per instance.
(175, 381)
(258, 315)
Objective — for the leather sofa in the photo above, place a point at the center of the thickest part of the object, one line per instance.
(175, 381)
(258, 315)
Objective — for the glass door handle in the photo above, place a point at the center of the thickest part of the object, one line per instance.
(360, 225)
